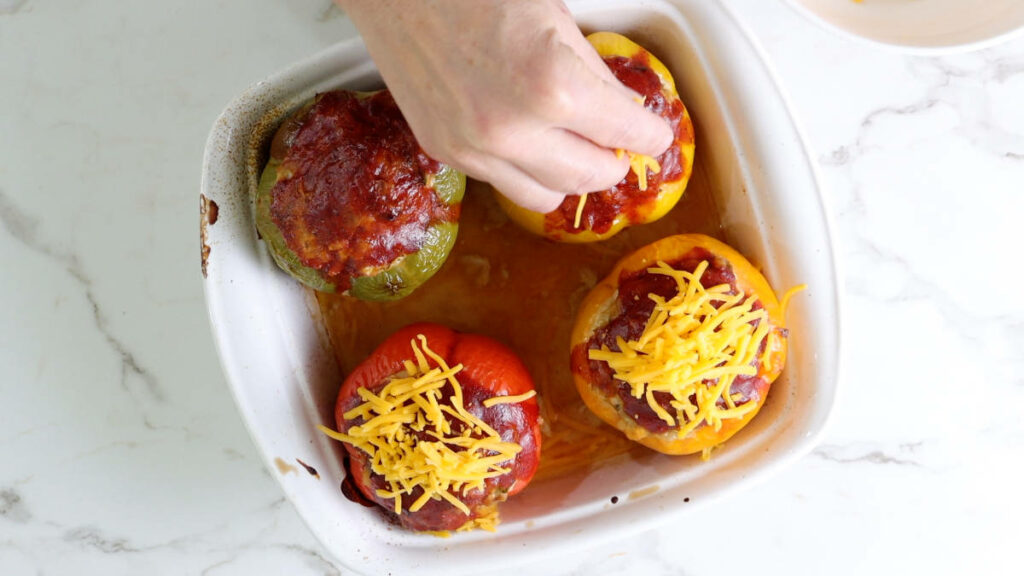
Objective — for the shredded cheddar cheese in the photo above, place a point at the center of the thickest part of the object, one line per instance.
(639, 164)
(579, 210)
(488, 520)
(417, 439)
(509, 399)
(784, 303)
(693, 347)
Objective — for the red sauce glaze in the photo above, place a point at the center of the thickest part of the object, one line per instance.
(636, 306)
(514, 422)
(626, 198)
(356, 197)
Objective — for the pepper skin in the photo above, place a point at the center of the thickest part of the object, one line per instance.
(603, 305)
(348, 201)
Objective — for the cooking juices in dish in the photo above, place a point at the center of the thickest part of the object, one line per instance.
(653, 185)
(349, 202)
(440, 427)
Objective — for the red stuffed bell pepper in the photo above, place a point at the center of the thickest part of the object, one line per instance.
(440, 427)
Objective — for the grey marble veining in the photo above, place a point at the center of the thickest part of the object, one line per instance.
(23, 227)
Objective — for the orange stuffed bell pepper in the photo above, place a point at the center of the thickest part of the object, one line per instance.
(440, 427)
(678, 346)
(652, 186)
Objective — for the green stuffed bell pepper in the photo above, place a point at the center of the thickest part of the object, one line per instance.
(350, 203)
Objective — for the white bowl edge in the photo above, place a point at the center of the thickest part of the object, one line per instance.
(906, 46)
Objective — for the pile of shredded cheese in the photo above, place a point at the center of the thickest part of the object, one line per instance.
(693, 348)
(416, 439)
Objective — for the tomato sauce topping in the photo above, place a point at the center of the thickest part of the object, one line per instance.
(636, 308)
(351, 196)
(512, 421)
(626, 198)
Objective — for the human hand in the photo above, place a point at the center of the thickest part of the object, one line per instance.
(509, 92)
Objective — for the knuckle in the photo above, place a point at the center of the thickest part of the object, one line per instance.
(582, 181)
(453, 151)
(549, 87)
(469, 161)
(489, 132)
(598, 175)
(623, 134)
(542, 203)
(458, 150)
(529, 195)
(494, 137)
(549, 202)
(436, 150)
(555, 99)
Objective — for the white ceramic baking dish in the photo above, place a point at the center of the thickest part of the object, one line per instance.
(283, 375)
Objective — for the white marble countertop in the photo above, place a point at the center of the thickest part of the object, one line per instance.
(122, 452)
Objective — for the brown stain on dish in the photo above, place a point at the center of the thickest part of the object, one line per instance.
(312, 471)
(208, 213)
(212, 212)
(283, 467)
(636, 494)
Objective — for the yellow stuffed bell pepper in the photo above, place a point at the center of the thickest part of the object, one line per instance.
(653, 185)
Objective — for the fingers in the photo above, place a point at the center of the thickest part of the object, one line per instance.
(524, 101)
(605, 111)
(588, 54)
(544, 168)
(521, 188)
(566, 163)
